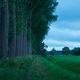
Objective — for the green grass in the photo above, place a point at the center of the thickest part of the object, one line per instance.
(39, 68)
(70, 63)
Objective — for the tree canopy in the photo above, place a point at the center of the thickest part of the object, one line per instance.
(24, 24)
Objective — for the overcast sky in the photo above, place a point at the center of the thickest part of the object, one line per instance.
(66, 30)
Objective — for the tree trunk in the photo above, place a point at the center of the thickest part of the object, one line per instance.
(4, 28)
(30, 41)
(25, 43)
(13, 40)
(20, 33)
(30, 33)
(0, 34)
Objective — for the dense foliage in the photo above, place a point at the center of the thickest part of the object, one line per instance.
(66, 51)
(75, 51)
(23, 25)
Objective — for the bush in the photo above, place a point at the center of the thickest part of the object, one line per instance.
(76, 51)
(66, 51)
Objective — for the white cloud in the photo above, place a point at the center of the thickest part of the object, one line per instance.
(63, 43)
(60, 44)
(64, 34)
(73, 25)
(57, 48)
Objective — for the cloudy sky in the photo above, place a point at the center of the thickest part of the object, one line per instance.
(66, 30)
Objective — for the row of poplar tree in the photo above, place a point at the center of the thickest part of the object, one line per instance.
(23, 25)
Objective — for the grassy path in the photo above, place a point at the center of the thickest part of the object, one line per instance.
(37, 71)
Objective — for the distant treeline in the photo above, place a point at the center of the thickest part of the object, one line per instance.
(65, 51)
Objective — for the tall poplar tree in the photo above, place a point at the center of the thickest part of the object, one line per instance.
(4, 28)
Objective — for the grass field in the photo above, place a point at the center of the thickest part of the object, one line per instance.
(39, 68)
